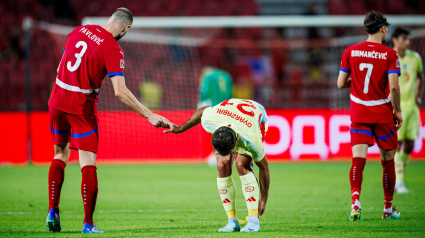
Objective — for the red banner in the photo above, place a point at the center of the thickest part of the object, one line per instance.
(126, 137)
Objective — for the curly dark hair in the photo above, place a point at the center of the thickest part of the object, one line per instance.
(224, 140)
(374, 21)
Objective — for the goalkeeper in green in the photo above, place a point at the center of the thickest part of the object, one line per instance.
(215, 87)
(411, 85)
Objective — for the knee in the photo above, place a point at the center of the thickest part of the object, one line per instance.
(223, 166)
(243, 167)
(62, 156)
(408, 149)
(240, 165)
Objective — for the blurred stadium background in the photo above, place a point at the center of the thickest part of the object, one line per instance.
(290, 69)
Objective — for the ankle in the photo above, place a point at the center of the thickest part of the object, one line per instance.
(253, 218)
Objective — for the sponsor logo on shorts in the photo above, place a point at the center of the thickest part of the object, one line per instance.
(249, 189)
(222, 191)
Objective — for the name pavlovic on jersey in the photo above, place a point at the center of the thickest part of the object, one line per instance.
(370, 64)
(90, 53)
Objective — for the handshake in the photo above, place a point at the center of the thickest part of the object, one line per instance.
(160, 121)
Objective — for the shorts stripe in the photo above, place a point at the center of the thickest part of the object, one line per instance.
(361, 131)
(75, 135)
(60, 132)
(385, 137)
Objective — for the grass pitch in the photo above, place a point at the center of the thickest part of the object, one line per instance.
(306, 199)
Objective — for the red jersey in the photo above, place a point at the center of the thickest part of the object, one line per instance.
(90, 53)
(370, 64)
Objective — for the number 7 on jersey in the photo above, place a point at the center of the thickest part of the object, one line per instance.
(369, 68)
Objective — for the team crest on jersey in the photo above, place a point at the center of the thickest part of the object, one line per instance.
(121, 63)
(398, 63)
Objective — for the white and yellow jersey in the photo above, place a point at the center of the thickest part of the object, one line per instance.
(246, 117)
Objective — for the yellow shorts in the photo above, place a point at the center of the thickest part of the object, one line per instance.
(410, 128)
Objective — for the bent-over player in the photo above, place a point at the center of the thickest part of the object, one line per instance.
(375, 93)
(91, 52)
(238, 127)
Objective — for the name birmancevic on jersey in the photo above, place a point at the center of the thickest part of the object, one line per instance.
(369, 54)
(91, 36)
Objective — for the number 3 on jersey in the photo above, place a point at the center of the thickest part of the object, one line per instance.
(78, 56)
(369, 68)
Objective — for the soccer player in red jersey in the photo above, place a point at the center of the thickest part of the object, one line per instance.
(91, 52)
(375, 107)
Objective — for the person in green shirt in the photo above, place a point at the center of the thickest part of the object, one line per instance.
(411, 86)
(215, 86)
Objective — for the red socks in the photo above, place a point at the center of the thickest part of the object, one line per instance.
(88, 187)
(56, 177)
(89, 192)
(388, 179)
(356, 176)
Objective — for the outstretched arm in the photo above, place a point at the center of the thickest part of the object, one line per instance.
(264, 177)
(194, 120)
(126, 97)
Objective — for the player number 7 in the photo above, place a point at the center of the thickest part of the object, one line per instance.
(369, 68)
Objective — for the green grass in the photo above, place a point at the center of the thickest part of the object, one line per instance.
(306, 199)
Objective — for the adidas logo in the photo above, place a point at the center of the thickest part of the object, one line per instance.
(251, 199)
(226, 201)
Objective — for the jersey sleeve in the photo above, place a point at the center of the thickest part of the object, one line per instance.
(419, 65)
(394, 63)
(345, 62)
(64, 46)
(207, 122)
(114, 61)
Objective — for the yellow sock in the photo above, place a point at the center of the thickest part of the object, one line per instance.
(227, 191)
(400, 159)
(251, 192)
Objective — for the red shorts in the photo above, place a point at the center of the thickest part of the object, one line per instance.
(80, 130)
(385, 134)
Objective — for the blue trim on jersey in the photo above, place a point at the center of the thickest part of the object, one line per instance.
(394, 71)
(361, 131)
(264, 117)
(60, 132)
(115, 74)
(344, 70)
(385, 137)
(75, 135)
(63, 48)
